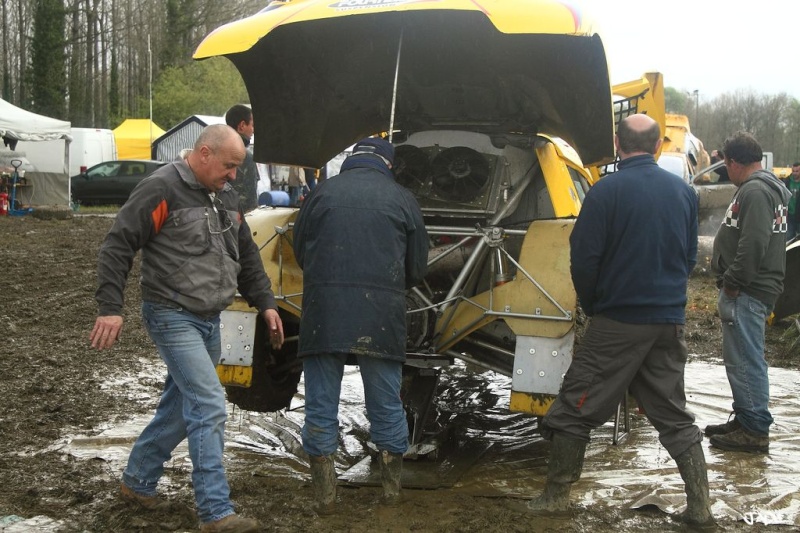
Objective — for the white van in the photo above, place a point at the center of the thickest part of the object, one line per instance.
(89, 147)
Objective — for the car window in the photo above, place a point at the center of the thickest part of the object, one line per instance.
(104, 170)
(581, 185)
(132, 169)
(676, 165)
(711, 175)
(152, 167)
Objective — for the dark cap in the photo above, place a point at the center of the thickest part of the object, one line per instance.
(377, 146)
(796, 164)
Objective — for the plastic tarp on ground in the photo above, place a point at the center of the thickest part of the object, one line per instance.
(135, 136)
(41, 188)
(183, 135)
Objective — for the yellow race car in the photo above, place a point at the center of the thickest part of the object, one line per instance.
(502, 115)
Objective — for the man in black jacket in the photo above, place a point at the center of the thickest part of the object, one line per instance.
(361, 242)
(240, 118)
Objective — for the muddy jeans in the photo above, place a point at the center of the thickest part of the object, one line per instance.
(322, 376)
(646, 359)
(743, 322)
(192, 405)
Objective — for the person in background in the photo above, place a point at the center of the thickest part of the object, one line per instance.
(361, 242)
(240, 118)
(749, 261)
(197, 251)
(632, 283)
(311, 178)
(793, 220)
(296, 182)
(722, 172)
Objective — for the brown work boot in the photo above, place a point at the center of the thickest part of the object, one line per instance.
(232, 523)
(741, 440)
(723, 429)
(150, 503)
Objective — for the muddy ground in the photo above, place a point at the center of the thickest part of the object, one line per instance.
(52, 384)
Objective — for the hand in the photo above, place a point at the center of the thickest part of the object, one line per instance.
(106, 331)
(275, 326)
(731, 293)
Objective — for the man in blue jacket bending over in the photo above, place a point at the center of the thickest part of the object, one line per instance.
(361, 242)
(632, 249)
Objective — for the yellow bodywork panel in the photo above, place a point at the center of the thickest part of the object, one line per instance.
(270, 229)
(679, 138)
(553, 158)
(535, 404)
(235, 376)
(532, 16)
(675, 136)
(545, 256)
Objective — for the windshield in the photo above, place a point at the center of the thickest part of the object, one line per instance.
(674, 164)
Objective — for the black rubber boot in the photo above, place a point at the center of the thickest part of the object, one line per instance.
(563, 469)
(391, 470)
(692, 466)
(323, 479)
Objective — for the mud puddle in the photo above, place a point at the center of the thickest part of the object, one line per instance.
(637, 473)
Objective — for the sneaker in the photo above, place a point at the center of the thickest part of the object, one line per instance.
(722, 429)
(151, 503)
(741, 440)
(231, 524)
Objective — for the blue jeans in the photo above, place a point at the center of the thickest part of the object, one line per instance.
(192, 405)
(322, 375)
(743, 322)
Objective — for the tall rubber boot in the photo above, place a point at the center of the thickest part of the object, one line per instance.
(563, 469)
(692, 466)
(323, 479)
(391, 470)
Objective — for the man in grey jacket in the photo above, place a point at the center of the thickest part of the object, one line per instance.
(749, 260)
(197, 250)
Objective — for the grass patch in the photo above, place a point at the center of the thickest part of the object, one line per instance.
(97, 209)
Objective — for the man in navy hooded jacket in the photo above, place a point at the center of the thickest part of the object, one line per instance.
(631, 251)
(361, 241)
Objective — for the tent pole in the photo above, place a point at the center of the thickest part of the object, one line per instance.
(394, 88)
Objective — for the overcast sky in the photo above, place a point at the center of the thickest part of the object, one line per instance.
(713, 46)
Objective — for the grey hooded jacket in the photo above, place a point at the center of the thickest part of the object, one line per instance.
(750, 246)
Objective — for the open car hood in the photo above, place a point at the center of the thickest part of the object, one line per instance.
(321, 74)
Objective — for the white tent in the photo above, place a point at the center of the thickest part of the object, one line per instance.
(18, 127)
